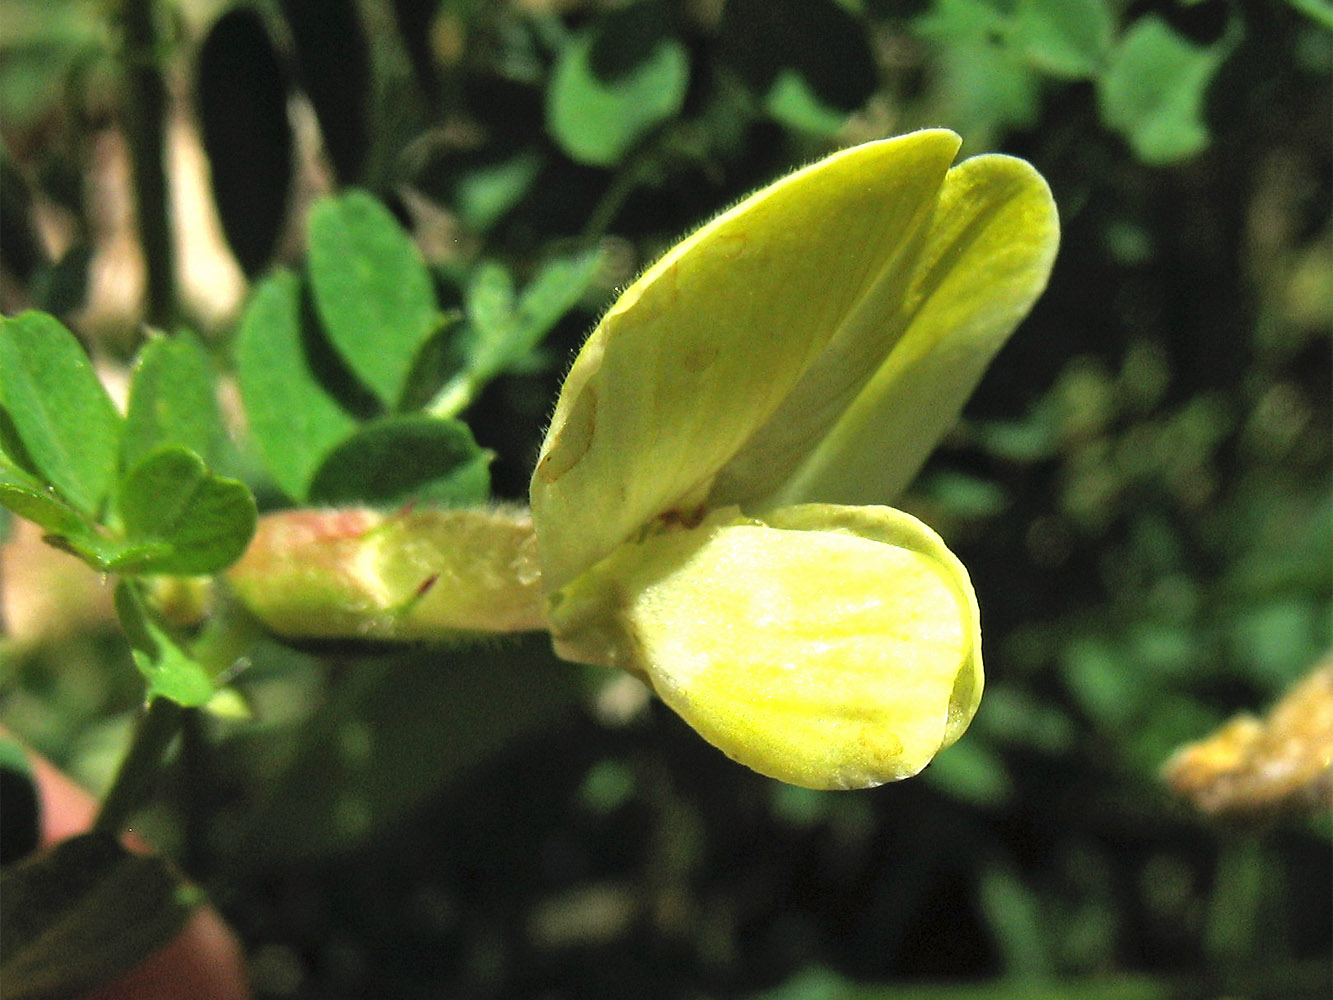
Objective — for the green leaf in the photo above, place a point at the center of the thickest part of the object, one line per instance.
(1016, 917)
(172, 401)
(83, 913)
(489, 302)
(507, 339)
(60, 413)
(1104, 685)
(963, 495)
(986, 84)
(1068, 39)
(441, 358)
(171, 499)
(170, 671)
(957, 22)
(791, 102)
(1284, 979)
(484, 195)
(598, 113)
(504, 328)
(815, 65)
(65, 527)
(398, 459)
(971, 771)
(44, 46)
(111, 555)
(294, 419)
(27, 497)
(372, 290)
(1153, 90)
(1318, 11)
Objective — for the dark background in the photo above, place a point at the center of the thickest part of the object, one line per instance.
(1140, 489)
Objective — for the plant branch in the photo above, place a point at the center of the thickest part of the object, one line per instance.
(139, 770)
(145, 128)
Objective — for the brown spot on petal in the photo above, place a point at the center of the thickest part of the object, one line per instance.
(678, 518)
(571, 442)
(729, 246)
(698, 359)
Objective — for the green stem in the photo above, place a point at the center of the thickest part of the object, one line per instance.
(1318, 11)
(139, 770)
(145, 127)
(454, 397)
(199, 791)
(623, 184)
(228, 635)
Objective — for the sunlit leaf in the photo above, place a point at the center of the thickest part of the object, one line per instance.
(485, 194)
(1068, 39)
(372, 290)
(508, 330)
(167, 667)
(1153, 91)
(791, 102)
(65, 527)
(504, 327)
(62, 417)
(294, 419)
(202, 521)
(173, 400)
(395, 460)
(598, 114)
(27, 497)
(986, 82)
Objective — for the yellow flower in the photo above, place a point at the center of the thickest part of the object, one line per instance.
(801, 353)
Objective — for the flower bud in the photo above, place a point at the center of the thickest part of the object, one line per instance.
(416, 574)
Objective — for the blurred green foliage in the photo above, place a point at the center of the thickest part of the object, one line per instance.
(1140, 489)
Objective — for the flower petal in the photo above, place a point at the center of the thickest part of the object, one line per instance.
(703, 349)
(988, 254)
(829, 647)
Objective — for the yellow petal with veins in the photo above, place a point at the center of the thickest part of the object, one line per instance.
(828, 647)
(986, 258)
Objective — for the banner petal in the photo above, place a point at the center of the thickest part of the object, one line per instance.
(703, 348)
